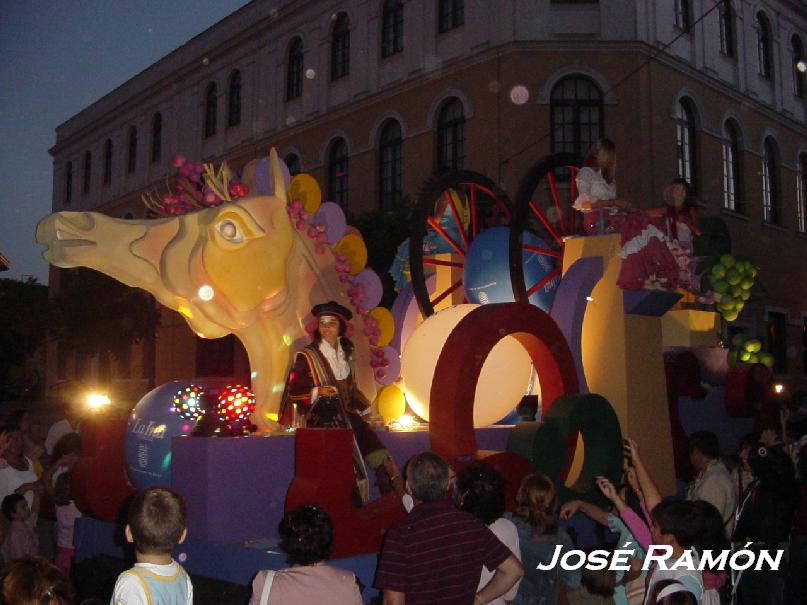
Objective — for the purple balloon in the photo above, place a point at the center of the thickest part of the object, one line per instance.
(331, 216)
(260, 177)
(388, 374)
(373, 289)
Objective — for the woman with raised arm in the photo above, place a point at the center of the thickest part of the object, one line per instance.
(629, 585)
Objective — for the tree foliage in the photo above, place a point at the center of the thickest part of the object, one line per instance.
(23, 321)
(93, 313)
(383, 231)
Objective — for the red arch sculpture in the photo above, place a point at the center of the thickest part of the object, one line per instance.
(460, 363)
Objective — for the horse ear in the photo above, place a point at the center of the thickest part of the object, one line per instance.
(276, 176)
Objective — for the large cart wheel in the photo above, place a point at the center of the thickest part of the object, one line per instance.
(484, 205)
(543, 206)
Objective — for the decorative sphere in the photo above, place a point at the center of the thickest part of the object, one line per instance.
(519, 94)
(188, 402)
(495, 395)
(153, 423)
(486, 273)
(235, 404)
(391, 403)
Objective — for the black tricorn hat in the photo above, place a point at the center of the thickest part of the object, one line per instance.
(332, 308)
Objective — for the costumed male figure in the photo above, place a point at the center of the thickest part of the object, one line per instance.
(321, 392)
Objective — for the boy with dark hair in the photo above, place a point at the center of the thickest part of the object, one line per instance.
(156, 525)
(21, 539)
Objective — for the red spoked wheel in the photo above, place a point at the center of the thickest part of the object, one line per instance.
(453, 208)
(543, 206)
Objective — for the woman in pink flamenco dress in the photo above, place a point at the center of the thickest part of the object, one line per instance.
(678, 220)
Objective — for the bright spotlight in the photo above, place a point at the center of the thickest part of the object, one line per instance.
(96, 401)
(206, 293)
(406, 421)
(778, 388)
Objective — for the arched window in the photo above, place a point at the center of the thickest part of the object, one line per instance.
(211, 108)
(294, 70)
(770, 182)
(234, 99)
(340, 47)
(85, 182)
(338, 173)
(131, 159)
(576, 114)
(685, 135)
(801, 193)
(450, 14)
(107, 162)
(726, 17)
(68, 183)
(451, 135)
(293, 163)
(156, 138)
(391, 28)
(682, 15)
(798, 67)
(390, 159)
(764, 47)
(732, 167)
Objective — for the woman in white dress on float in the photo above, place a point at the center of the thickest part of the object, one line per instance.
(596, 189)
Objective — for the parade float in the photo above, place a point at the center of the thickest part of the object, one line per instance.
(498, 301)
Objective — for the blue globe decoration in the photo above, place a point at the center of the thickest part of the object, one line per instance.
(486, 274)
(153, 423)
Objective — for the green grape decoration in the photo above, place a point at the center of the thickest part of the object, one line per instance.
(748, 350)
(731, 280)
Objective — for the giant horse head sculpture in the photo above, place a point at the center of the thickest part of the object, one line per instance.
(239, 268)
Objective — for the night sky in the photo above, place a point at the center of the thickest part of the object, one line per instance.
(59, 56)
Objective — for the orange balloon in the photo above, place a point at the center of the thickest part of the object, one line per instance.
(353, 247)
(386, 325)
(305, 188)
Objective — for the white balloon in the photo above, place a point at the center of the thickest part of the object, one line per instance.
(504, 380)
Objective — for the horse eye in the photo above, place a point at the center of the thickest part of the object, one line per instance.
(229, 231)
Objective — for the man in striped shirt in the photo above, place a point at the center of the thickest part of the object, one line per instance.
(435, 555)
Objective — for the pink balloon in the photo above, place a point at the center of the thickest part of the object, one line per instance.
(370, 285)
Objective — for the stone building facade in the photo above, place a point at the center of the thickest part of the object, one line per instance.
(370, 97)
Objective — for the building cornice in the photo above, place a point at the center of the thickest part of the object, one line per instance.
(180, 75)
